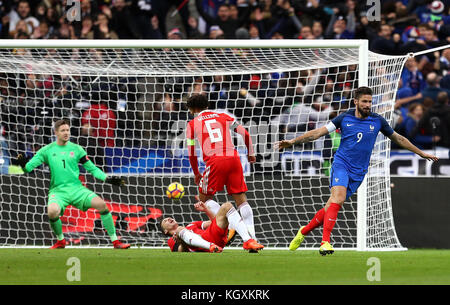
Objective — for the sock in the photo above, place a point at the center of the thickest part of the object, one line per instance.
(56, 226)
(108, 224)
(213, 206)
(329, 221)
(193, 239)
(315, 222)
(236, 222)
(247, 216)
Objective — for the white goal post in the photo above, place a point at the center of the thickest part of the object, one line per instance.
(275, 88)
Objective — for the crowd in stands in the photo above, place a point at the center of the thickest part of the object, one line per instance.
(404, 26)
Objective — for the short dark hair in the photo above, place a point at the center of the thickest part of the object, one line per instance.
(59, 123)
(442, 98)
(197, 101)
(362, 91)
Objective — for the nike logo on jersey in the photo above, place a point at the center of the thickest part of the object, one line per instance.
(372, 127)
(350, 124)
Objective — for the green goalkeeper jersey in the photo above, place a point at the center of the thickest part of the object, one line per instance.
(63, 162)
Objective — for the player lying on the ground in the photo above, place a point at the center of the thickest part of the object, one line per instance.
(359, 129)
(63, 157)
(223, 165)
(210, 235)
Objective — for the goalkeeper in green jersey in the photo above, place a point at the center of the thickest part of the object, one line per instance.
(63, 157)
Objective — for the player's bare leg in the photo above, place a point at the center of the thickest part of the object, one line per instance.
(108, 222)
(227, 215)
(53, 211)
(337, 198)
(246, 212)
(214, 207)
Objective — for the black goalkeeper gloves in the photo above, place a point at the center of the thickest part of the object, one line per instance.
(114, 180)
(22, 160)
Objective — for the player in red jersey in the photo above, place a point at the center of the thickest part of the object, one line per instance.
(223, 166)
(207, 236)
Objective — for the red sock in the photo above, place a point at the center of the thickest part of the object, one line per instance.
(315, 222)
(329, 221)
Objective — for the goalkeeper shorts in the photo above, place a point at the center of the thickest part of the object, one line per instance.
(78, 197)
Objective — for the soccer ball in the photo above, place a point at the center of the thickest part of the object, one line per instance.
(175, 190)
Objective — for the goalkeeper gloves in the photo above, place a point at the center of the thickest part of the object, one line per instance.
(22, 160)
(114, 180)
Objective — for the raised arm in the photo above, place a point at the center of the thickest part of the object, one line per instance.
(309, 136)
(206, 16)
(405, 143)
(202, 207)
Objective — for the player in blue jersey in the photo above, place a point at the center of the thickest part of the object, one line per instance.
(359, 130)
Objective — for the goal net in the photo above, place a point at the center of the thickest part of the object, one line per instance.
(127, 108)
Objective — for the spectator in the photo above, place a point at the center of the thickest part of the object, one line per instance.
(337, 28)
(162, 7)
(412, 77)
(215, 32)
(41, 11)
(223, 20)
(87, 28)
(52, 18)
(21, 28)
(317, 30)
(431, 40)
(175, 34)
(311, 10)
(254, 32)
(123, 22)
(193, 31)
(442, 66)
(405, 98)
(385, 42)
(146, 20)
(66, 31)
(436, 121)
(98, 131)
(408, 128)
(306, 33)
(432, 90)
(102, 30)
(42, 31)
(22, 13)
(242, 33)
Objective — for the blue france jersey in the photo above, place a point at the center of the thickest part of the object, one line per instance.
(358, 137)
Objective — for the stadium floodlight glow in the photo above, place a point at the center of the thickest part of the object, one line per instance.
(276, 88)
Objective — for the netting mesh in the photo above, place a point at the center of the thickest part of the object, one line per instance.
(127, 109)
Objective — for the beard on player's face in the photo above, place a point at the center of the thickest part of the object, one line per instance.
(363, 110)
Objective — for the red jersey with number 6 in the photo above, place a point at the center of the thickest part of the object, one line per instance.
(212, 130)
(223, 167)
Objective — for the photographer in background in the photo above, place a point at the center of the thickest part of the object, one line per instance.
(436, 120)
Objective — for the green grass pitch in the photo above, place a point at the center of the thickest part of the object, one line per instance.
(236, 267)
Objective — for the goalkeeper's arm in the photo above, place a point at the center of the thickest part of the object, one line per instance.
(27, 164)
(99, 174)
